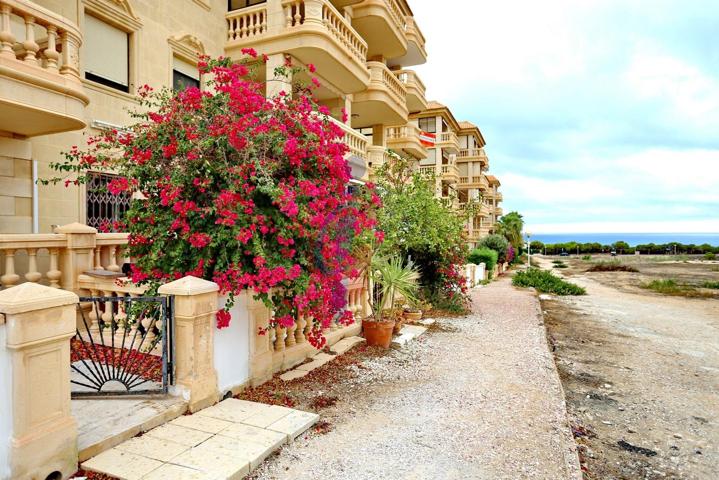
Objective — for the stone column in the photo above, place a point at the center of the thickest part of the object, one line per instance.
(37, 323)
(195, 308)
(261, 351)
(274, 84)
(78, 257)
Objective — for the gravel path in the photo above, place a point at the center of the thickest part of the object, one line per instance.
(477, 397)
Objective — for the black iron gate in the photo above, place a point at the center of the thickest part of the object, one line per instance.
(122, 346)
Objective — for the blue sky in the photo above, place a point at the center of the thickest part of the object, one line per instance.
(599, 116)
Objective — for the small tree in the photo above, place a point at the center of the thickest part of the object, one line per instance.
(497, 243)
(240, 189)
(418, 226)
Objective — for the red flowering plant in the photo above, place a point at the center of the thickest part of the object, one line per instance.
(246, 191)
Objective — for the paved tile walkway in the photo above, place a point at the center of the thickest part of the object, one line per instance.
(225, 441)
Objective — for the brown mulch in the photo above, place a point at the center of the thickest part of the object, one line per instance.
(320, 389)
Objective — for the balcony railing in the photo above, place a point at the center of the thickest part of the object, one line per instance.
(355, 141)
(247, 23)
(448, 140)
(263, 27)
(414, 34)
(450, 172)
(416, 90)
(429, 170)
(45, 55)
(380, 73)
(469, 153)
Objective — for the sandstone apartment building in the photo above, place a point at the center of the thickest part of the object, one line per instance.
(69, 68)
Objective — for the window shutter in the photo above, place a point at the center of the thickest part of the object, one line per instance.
(185, 68)
(106, 51)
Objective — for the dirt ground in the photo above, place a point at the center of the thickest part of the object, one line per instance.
(640, 370)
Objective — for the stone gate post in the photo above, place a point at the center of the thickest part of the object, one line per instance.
(195, 308)
(38, 435)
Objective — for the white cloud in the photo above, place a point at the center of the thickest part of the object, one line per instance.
(597, 111)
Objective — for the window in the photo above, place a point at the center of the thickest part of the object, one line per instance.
(238, 4)
(104, 208)
(184, 75)
(106, 54)
(428, 124)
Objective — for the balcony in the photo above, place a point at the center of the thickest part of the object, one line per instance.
(448, 141)
(40, 87)
(311, 30)
(428, 171)
(450, 173)
(474, 181)
(406, 138)
(383, 102)
(416, 100)
(473, 155)
(383, 25)
(377, 156)
(498, 211)
(358, 145)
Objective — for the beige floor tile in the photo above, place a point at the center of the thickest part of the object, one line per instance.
(294, 424)
(176, 472)
(262, 436)
(201, 423)
(267, 417)
(121, 464)
(233, 410)
(214, 460)
(155, 448)
(252, 452)
(182, 435)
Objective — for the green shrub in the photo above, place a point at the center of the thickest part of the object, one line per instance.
(611, 266)
(546, 282)
(712, 285)
(587, 258)
(667, 286)
(710, 256)
(561, 265)
(558, 262)
(484, 255)
(497, 243)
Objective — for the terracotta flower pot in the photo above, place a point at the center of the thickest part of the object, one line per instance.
(412, 316)
(398, 325)
(378, 333)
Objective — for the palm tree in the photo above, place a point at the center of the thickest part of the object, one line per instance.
(511, 226)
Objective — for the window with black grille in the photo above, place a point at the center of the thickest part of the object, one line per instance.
(104, 208)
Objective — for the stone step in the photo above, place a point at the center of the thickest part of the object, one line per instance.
(227, 440)
(106, 422)
(409, 333)
(345, 345)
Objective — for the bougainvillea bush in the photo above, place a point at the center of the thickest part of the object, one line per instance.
(246, 191)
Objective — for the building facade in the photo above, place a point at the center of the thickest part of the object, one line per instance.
(71, 68)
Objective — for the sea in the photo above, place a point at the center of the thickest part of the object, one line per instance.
(632, 239)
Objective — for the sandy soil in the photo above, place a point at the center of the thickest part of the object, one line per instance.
(477, 397)
(640, 371)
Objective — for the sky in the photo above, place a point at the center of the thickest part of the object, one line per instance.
(599, 115)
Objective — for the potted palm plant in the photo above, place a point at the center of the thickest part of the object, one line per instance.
(390, 278)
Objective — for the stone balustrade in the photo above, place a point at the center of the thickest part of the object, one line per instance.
(39, 70)
(289, 346)
(57, 259)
